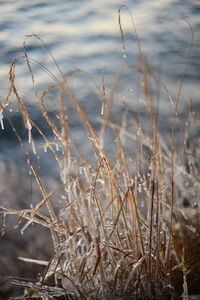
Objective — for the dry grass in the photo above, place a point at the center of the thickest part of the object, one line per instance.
(119, 228)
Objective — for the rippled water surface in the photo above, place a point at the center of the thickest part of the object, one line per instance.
(85, 35)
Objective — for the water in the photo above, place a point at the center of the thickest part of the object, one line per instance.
(85, 35)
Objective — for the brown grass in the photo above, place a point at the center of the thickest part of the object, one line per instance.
(119, 228)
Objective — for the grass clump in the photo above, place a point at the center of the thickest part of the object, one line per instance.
(117, 220)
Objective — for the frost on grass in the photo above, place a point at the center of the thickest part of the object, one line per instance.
(117, 225)
(1, 120)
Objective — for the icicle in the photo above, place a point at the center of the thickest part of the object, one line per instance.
(26, 226)
(1, 120)
(33, 147)
(102, 109)
(28, 162)
(81, 170)
(68, 188)
(172, 103)
(29, 127)
(124, 53)
(139, 131)
(63, 175)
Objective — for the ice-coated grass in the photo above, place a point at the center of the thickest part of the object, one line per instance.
(119, 228)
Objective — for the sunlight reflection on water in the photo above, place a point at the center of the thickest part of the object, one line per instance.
(85, 35)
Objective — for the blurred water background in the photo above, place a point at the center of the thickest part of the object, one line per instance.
(84, 35)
